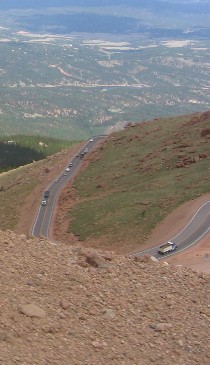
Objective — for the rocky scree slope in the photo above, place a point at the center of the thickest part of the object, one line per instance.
(63, 304)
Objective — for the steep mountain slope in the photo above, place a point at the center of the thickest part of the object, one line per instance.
(67, 305)
(134, 180)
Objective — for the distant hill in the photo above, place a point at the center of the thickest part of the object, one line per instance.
(171, 5)
(106, 16)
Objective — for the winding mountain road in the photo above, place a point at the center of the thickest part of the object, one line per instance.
(44, 215)
(198, 227)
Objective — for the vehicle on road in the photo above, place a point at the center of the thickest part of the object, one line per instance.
(44, 202)
(67, 169)
(86, 150)
(167, 247)
(91, 140)
(70, 164)
(82, 155)
(57, 180)
(46, 194)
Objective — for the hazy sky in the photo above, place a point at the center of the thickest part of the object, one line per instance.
(195, 4)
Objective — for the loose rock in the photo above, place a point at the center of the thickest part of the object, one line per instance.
(32, 310)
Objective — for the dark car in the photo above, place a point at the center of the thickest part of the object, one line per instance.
(46, 194)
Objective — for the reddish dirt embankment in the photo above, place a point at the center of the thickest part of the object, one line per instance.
(198, 256)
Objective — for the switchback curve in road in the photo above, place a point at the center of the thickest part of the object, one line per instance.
(193, 232)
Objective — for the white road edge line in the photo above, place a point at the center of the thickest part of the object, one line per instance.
(52, 211)
(35, 222)
(191, 219)
(137, 253)
(185, 248)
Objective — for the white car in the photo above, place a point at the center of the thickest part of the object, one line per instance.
(91, 140)
(67, 169)
(167, 248)
(44, 202)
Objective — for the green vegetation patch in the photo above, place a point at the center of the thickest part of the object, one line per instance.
(20, 150)
(140, 175)
(113, 214)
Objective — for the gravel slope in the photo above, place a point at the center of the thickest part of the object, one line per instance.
(68, 305)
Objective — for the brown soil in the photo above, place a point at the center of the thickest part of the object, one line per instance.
(68, 305)
(196, 257)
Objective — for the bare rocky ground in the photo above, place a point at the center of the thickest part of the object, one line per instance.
(63, 304)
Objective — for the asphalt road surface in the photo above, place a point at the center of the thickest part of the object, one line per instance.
(198, 227)
(192, 233)
(45, 212)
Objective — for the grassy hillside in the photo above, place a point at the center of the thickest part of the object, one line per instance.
(139, 176)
